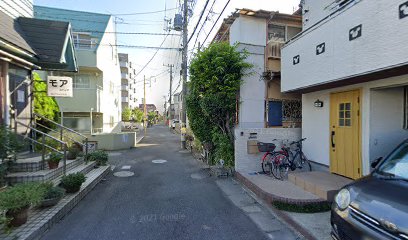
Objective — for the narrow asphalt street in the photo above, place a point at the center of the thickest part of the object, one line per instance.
(171, 200)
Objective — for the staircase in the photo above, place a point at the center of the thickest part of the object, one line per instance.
(32, 166)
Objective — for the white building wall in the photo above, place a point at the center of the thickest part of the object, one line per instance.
(386, 111)
(17, 8)
(316, 10)
(382, 45)
(248, 163)
(316, 121)
(250, 33)
(108, 62)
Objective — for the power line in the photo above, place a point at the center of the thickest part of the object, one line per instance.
(198, 22)
(142, 13)
(206, 18)
(129, 33)
(219, 16)
(152, 57)
(130, 46)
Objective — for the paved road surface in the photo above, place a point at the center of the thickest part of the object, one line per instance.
(171, 200)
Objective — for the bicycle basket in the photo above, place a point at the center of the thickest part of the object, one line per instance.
(266, 147)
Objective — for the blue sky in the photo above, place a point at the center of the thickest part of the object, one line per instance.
(154, 23)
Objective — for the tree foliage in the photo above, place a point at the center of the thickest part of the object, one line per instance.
(152, 117)
(44, 105)
(137, 114)
(215, 75)
(126, 114)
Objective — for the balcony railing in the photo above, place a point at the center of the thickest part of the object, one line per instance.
(273, 49)
(125, 76)
(125, 87)
(125, 99)
(124, 64)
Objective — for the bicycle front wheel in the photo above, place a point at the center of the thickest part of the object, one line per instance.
(305, 163)
(279, 166)
(267, 163)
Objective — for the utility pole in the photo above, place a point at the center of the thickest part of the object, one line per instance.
(171, 85)
(144, 105)
(184, 71)
(184, 60)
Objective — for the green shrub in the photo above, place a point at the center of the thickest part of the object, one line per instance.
(224, 149)
(55, 157)
(10, 143)
(101, 157)
(21, 196)
(306, 208)
(50, 191)
(72, 182)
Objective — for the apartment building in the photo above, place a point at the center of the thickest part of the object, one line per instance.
(128, 86)
(263, 112)
(96, 103)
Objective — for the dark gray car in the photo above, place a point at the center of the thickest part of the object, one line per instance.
(375, 206)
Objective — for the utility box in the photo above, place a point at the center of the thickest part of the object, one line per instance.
(178, 22)
(252, 146)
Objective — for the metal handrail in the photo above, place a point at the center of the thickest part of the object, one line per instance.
(44, 145)
(41, 132)
(59, 125)
(53, 130)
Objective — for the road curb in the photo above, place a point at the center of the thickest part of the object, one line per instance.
(269, 198)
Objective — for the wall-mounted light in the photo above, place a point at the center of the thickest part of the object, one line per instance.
(318, 103)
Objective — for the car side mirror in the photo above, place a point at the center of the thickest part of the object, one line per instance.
(375, 162)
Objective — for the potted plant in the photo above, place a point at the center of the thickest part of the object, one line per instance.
(54, 160)
(72, 182)
(73, 152)
(52, 195)
(16, 201)
(99, 156)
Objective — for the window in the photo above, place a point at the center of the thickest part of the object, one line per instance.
(345, 114)
(277, 33)
(82, 81)
(82, 124)
(83, 40)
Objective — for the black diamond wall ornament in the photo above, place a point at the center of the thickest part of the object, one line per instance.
(321, 48)
(403, 10)
(296, 59)
(355, 32)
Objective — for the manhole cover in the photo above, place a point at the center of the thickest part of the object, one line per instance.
(123, 174)
(113, 154)
(159, 161)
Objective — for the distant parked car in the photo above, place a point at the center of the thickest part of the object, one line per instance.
(376, 206)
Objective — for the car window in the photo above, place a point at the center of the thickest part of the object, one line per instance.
(397, 163)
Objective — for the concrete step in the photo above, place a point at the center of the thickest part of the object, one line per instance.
(82, 168)
(30, 163)
(42, 175)
(42, 219)
(323, 184)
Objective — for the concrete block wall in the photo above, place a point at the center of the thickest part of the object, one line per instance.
(245, 162)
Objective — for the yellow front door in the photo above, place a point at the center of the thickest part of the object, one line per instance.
(344, 139)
